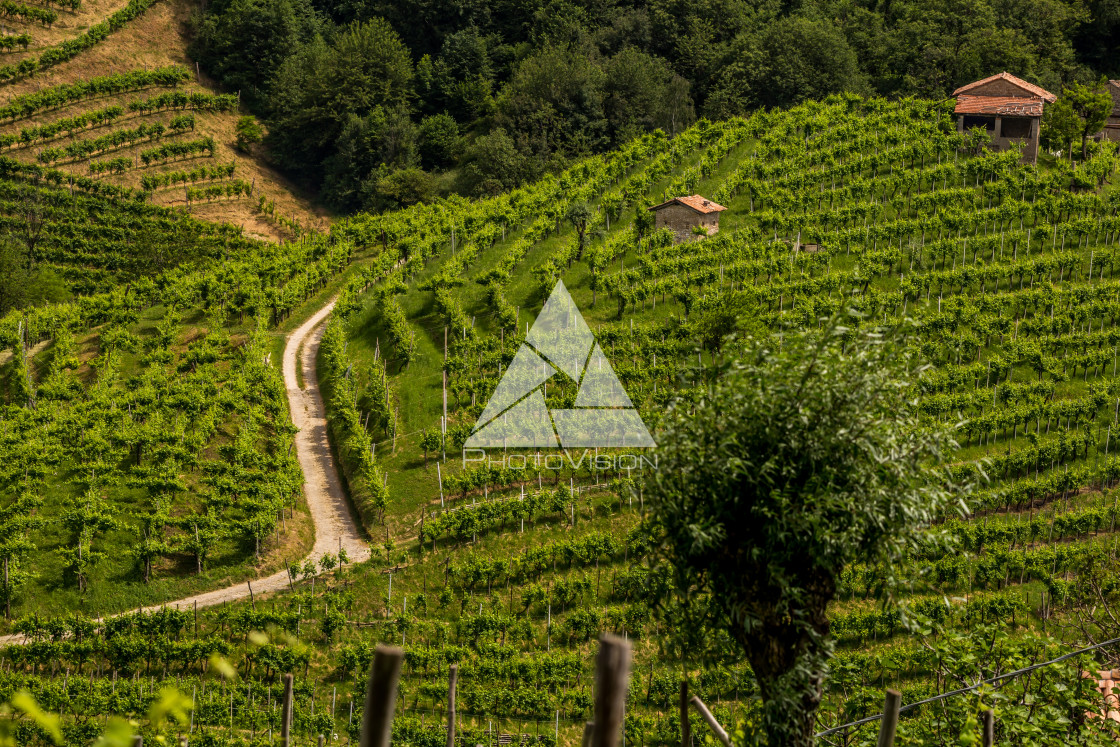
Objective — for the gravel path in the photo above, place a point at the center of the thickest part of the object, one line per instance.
(330, 510)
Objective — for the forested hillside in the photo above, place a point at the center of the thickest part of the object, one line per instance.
(377, 105)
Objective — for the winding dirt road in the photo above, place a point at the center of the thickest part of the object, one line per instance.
(330, 511)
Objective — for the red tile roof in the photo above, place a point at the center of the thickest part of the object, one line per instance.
(696, 202)
(1029, 88)
(1005, 105)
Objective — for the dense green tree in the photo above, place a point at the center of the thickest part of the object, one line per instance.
(625, 27)
(460, 79)
(248, 132)
(317, 90)
(694, 35)
(1060, 125)
(392, 190)
(786, 62)
(384, 138)
(738, 87)
(242, 42)
(796, 463)
(639, 95)
(1097, 40)
(424, 24)
(440, 142)
(493, 165)
(806, 59)
(1091, 107)
(715, 318)
(554, 102)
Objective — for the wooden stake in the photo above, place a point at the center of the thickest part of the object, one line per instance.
(988, 725)
(588, 734)
(381, 696)
(452, 679)
(286, 712)
(686, 740)
(889, 725)
(612, 676)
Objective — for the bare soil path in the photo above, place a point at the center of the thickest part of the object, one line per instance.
(330, 510)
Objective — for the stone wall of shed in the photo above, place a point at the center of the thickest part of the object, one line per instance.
(1112, 129)
(681, 220)
(999, 142)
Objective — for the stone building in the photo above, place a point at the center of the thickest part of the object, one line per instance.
(1112, 126)
(683, 214)
(1009, 108)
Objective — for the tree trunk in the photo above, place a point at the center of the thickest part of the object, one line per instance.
(788, 659)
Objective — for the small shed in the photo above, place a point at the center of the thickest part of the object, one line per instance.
(1112, 126)
(1009, 108)
(683, 214)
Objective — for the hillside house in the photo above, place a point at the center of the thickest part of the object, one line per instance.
(683, 214)
(1112, 126)
(1009, 108)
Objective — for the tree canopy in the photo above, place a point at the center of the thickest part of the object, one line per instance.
(804, 455)
(562, 79)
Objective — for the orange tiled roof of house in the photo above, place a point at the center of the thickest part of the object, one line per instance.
(1013, 105)
(696, 202)
(1030, 88)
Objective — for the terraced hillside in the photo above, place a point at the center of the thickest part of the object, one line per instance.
(1009, 272)
(147, 441)
(172, 139)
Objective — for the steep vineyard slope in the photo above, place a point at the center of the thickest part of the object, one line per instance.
(147, 442)
(1009, 272)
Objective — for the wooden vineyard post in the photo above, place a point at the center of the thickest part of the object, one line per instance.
(452, 678)
(988, 725)
(286, 712)
(702, 709)
(381, 696)
(612, 677)
(889, 724)
(588, 739)
(686, 739)
(444, 422)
